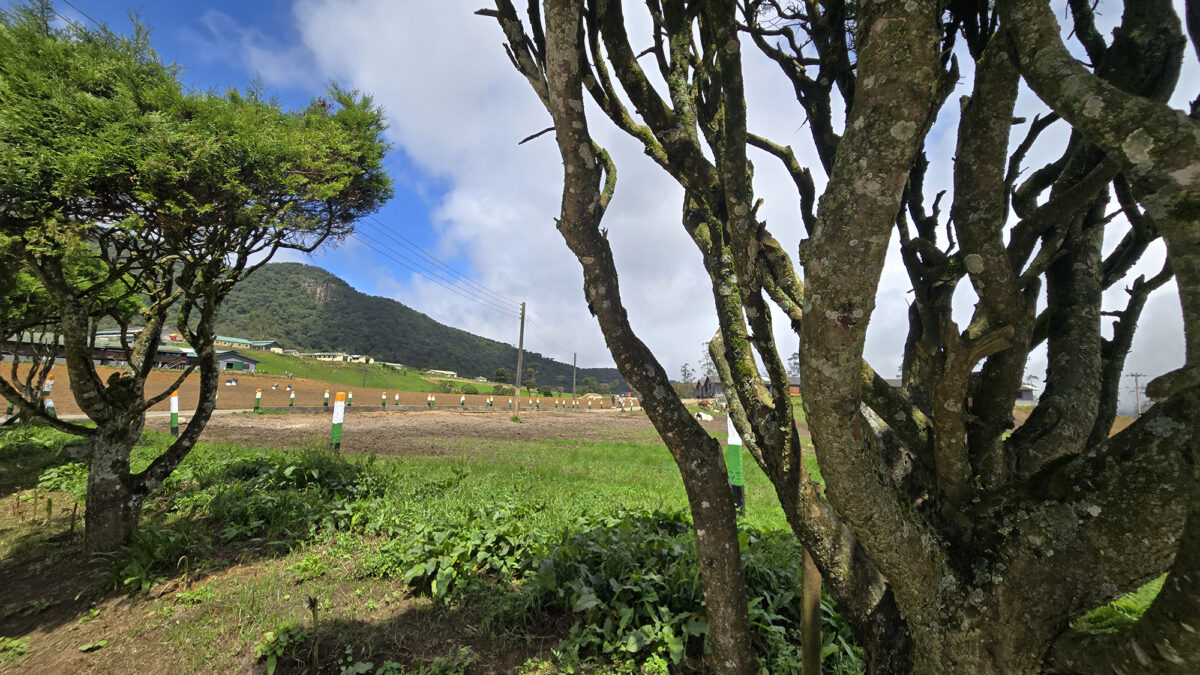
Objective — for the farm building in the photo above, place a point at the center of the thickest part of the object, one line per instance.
(242, 343)
(165, 357)
(709, 387)
(341, 357)
(443, 373)
(231, 360)
(1026, 394)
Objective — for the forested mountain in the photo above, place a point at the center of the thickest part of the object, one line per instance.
(309, 309)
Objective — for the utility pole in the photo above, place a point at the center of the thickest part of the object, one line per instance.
(1137, 390)
(574, 363)
(520, 353)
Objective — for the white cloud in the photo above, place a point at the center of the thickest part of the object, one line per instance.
(457, 109)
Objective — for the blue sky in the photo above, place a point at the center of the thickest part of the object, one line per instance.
(196, 36)
(467, 193)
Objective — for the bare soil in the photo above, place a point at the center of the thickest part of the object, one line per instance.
(309, 393)
(428, 432)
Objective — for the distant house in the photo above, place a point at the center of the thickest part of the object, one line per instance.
(481, 379)
(359, 358)
(443, 373)
(326, 356)
(231, 360)
(709, 387)
(1026, 394)
(166, 356)
(794, 385)
(254, 345)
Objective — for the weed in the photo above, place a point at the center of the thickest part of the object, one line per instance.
(283, 642)
(91, 616)
(454, 664)
(196, 596)
(70, 478)
(26, 608)
(13, 650)
(139, 565)
(93, 646)
(1122, 612)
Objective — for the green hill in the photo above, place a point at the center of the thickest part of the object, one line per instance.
(309, 309)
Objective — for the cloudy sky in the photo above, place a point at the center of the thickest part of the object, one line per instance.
(476, 203)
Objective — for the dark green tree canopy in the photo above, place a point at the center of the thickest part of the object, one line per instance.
(169, 195)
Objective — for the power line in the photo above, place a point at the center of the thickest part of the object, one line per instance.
(456, 278)
(409, 244)
(386, 251)
(85, 14)
(373, 245)
(439, 269)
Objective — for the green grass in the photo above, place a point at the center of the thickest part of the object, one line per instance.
(349, 374)
(489, 517)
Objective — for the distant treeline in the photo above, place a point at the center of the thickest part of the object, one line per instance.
(309, 309)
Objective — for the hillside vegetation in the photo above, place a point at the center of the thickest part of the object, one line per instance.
(307, 308)
(350, 374)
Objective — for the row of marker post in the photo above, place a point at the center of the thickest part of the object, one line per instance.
(47, 401)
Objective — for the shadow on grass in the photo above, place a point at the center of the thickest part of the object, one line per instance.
(223, 507)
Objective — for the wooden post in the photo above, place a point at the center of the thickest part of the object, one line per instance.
(339, 414)
(733, 464)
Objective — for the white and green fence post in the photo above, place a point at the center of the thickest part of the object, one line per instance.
(383, 400)
(733, 464)
(292, 400)
(175, 414)
(339, 414)
(258, 399)
(349, 399)
(462, 401)
(396, 400)
(47, 402)
(326, 404)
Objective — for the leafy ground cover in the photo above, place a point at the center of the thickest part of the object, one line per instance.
(508, 556)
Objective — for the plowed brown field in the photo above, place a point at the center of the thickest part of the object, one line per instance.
(308, 392)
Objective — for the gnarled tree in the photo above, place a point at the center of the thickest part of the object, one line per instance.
(178, 196)
(949, 544)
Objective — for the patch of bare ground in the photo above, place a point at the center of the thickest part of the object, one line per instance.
(210, 621)
(427, 433)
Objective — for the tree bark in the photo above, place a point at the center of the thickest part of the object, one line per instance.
(697, 454)
(112, 508)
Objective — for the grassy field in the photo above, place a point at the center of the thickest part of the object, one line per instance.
(536, 557)
(533, 557)
(349, 374)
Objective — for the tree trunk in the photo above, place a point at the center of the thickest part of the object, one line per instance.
(112, 512)
(113, 508)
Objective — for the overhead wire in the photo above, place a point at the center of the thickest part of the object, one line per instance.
(537, 329)
(384, 250)
(433, 265)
